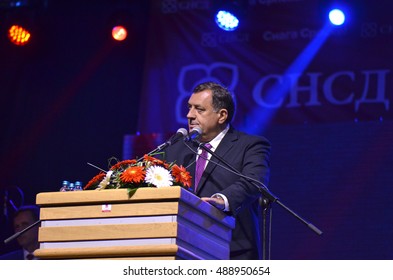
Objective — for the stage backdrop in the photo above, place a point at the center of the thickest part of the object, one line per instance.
(284, 64)
(321, 94)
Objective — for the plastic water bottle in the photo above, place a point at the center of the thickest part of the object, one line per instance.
(64, 186)
(78, 186)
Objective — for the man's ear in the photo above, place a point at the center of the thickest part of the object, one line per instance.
(223, 116)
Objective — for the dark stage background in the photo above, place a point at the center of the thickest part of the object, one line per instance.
(322, 96)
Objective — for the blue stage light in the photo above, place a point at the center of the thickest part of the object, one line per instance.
(226, 20)
(336, 17)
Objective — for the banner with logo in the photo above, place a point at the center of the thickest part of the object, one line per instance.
(285, 64)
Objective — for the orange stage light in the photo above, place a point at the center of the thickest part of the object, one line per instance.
(119, 33)
(18, 35)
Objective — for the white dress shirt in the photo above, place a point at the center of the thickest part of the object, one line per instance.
(214, 143)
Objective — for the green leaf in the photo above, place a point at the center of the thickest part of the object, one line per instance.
(131, 192)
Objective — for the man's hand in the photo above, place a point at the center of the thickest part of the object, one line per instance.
(216, 201)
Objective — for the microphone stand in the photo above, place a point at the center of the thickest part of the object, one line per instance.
(265, 201)
(266, 212)
(157, 150)
(181, 133)
(17, 234)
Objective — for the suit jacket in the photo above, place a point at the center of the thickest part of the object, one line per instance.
(247, 154)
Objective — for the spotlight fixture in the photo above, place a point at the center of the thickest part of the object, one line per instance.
(228, 14)
(226, 20)
(337, 17)
(18, 35)
(120, 26)
(119, 33)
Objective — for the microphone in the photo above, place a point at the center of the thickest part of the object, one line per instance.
(17, 234)
(180, 133)
(194, 134)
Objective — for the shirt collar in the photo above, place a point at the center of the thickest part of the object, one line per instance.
(216, 141)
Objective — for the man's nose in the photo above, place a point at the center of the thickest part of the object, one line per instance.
(190, 114)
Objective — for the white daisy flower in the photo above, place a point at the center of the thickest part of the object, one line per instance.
(105, 182)
(158, 176)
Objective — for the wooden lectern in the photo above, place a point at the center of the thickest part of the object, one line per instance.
(167, 223)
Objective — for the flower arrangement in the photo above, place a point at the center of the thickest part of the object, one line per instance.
(147, 172)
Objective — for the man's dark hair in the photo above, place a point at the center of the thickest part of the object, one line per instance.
(33, 209)
(222, 98)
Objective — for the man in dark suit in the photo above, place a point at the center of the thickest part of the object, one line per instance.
(211, 108)
(28, 241)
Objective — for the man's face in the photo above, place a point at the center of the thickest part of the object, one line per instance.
(202, 114)
(22, 221)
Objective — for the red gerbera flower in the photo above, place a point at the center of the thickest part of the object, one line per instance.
(123, 163)
(153, 160)
(181, 175)
(96, 180)
(133, 174)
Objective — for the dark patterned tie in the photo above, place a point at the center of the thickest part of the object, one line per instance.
(200, 166)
